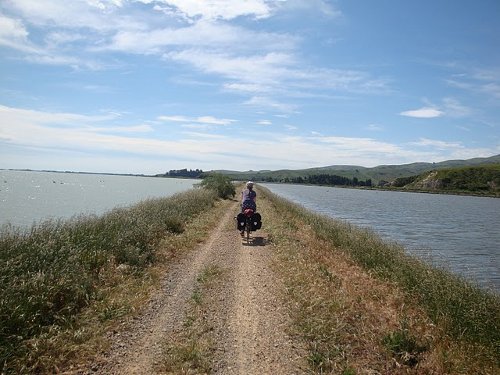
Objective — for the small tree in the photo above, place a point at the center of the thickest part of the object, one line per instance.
(220, 184)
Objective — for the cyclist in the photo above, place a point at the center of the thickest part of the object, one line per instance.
(248, 197)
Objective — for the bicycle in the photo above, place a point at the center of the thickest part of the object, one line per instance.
(248, 222)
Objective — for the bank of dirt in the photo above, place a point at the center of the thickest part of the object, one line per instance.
(240, 317)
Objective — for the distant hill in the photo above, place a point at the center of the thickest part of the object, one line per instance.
(482, 179)
(377, 175)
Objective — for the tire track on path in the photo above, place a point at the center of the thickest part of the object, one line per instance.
(254, 338)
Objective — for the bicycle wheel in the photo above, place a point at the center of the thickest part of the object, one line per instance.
(248, 229)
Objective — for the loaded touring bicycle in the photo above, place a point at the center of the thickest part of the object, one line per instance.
(248, 220)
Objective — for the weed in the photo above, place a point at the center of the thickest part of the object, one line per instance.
(185, 357)
(404, 347)
(196, 296)
(319, 360)
(210, 273)
(113, 311)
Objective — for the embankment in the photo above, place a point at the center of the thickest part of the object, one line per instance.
(351, 291)
(64, 283)
(355, 303)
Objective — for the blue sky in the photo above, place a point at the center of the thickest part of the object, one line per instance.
(145, 86)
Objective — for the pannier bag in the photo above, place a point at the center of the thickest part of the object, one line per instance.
(256, 221)
(240, 221)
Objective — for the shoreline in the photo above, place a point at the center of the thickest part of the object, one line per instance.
(374, 188)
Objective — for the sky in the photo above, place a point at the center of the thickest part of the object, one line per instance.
(147, 86)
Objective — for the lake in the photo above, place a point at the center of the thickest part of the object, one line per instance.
(459, 233)
(28, 197)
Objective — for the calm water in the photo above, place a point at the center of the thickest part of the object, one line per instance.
(28, 197)
(459, 233)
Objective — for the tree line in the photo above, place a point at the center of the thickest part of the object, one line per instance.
(322, 179)
(191, 173)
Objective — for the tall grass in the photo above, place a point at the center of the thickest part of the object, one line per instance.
(464, 310)
(50, 272)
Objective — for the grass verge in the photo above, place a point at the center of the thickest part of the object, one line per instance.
(65, 282)
(361, 304)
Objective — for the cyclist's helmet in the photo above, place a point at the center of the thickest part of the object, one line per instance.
(249, 184)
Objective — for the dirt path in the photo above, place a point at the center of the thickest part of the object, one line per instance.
(242, 312)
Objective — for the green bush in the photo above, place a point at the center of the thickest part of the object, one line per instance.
(219, 183)
(480, 178)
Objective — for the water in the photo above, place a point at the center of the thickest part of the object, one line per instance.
(459, 233)
(29, 197)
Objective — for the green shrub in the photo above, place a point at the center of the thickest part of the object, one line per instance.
(219, 183)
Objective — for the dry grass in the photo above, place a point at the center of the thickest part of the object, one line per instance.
(120, 281)
(353, 320)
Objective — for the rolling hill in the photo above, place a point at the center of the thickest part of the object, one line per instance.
(377, 174)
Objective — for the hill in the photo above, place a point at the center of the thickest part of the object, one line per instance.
(378, 175)
(483, 179)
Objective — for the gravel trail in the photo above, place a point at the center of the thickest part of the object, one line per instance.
(244, 312)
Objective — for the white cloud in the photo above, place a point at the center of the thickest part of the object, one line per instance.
(374, 127)
(144, 128)
(47, 58)
(275, 74)
(353, 144)
(264, 122)
(10, 115)
(451, 107)
(251, 62)
(208, 120)
(440, 145)
(13, 34)
(94, 136)
(99, 16)
(12, 28)
(270, 103)
(201, 34)
(425, 112)
(58, 38)
(247, 87)
(219, 9)
(445, 150)
(262, 70)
